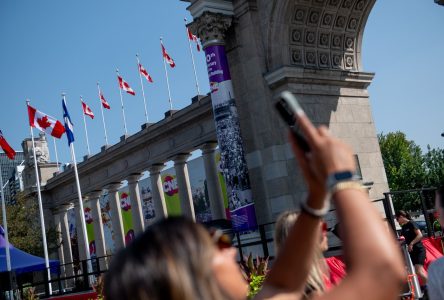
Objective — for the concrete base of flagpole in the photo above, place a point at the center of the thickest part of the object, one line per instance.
(146, 125)
(197, 98)
(104, 148)
(124, 137)
(170, 113)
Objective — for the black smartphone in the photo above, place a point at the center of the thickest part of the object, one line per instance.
(287, 107)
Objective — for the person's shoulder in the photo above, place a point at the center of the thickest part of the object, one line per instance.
(437, 265)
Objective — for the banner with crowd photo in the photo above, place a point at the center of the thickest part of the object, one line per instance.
(232, 162)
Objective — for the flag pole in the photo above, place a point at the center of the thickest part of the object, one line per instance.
(5, 227)
(166, 75)
(103, 116)
(86, 130)
(42, 220)
(141, 84)
(192, 58)
(82, 212)
(56, 154)
(121, 101)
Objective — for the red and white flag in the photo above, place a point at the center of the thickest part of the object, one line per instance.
(125, 86)
(145, 73)
(193, 38)
(105, 103)
(10, 153)
(45, 123)
(167, 58)
(86, 110)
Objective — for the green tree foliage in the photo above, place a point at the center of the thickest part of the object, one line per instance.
(408, 168)
(434, 164)
(24, 229)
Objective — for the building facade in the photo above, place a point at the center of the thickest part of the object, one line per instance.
(9, 172)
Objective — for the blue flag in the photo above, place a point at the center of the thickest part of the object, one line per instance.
(68, 124)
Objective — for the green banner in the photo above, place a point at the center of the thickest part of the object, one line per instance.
(171, 192)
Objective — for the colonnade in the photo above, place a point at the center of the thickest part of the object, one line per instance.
(186, 203)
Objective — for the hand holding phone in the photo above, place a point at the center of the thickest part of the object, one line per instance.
(288, 106)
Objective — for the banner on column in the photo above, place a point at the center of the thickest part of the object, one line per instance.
(90, 231)
(171, 193)
(127, 217)
(232, 162)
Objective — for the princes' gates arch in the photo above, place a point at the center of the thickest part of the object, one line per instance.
(310, 47)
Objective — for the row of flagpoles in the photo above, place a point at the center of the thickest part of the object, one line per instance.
(50, 125)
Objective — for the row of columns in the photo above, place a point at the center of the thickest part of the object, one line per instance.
(157, 193)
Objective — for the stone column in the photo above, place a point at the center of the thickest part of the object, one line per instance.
(213, 185)
(99, 237)
(136, 207)
(211, 22)
(65, 252)
(116, 216)
(80, 236)
(160, 208)
(183, 184)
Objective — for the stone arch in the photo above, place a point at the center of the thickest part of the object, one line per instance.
(317, 34)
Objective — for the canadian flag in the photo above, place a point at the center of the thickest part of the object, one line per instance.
(45, 123)
(145, 73)
(168, 59)
(105, 103)
(10, 153)
(193, 38)
(125, 86)
(86, 110)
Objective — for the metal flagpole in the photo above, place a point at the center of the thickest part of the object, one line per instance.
(82, 212)
(166, 75)
(42, 220)
(5, 228)
(192, 58)
(103, 117)
(86, 130)
(121, 101)
(56, 154)
(141, 84)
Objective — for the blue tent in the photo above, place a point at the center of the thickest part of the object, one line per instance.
(22, 262)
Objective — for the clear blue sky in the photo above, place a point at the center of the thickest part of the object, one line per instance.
(49, 47)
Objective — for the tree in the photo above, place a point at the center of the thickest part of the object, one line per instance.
(24, 230)
(434, 164)
(404, 166)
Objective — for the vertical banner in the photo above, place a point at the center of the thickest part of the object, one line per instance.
(127, 217)
(171, 193)
(90, 231)
(233, 164)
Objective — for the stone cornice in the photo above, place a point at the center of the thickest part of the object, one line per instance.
(199, 7)
(288, 74)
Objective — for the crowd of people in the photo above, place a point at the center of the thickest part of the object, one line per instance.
(179, 259)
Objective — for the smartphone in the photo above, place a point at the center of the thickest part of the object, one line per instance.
(287, 107)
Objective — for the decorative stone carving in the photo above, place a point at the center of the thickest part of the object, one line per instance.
(325, 33)
(211, 26)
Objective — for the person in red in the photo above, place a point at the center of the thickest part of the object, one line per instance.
(413, 237)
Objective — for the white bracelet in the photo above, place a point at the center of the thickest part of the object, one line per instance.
(317, 213)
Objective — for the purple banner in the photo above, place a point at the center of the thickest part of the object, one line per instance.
(233, 164)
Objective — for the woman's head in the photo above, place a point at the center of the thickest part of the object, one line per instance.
(402, 217)
(174, 259)
(284, 223)
(315, 280)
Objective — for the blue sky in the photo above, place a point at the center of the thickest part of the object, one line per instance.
(50, 47)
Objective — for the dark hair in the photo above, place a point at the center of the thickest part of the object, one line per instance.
(170, 260)
(440, 193)
(402, 213)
